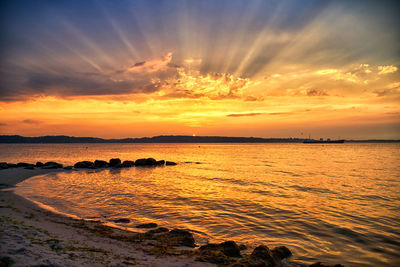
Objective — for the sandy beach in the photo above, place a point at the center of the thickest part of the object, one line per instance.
(32, 236)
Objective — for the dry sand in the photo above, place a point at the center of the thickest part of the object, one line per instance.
(32, 236)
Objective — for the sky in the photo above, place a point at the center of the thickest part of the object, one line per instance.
(115, 69)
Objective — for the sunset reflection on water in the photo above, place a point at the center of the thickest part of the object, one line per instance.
(328, 202)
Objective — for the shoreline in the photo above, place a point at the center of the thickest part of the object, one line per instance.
(31, 235)
(35, 235)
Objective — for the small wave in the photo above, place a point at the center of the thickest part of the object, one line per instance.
(312, 189)
(291, 173)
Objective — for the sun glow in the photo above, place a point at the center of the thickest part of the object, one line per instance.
(189, 69)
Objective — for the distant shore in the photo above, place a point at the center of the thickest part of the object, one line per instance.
(62, 139)
(35, 236)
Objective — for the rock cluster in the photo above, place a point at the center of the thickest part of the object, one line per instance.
(112, 163)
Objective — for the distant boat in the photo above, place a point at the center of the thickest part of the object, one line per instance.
(322, 141)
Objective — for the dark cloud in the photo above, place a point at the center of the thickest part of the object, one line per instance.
(315, 92)
(71, 83)
(253, 98)
(244, 114)
(31, 121)
(3, 124)
(387, 92)
(258, 114)
(139, 64)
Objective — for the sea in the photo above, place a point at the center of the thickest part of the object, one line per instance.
(335, 203)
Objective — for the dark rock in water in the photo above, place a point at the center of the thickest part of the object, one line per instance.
(84, 165)
(115, 162)
(160, 162)
(39, 164)
(261, 257)
(23, 164)
(12, 165)
(281, 252)
(147, 225)
(158, 230)
(68, 167)
(52, 165)
(228, 248)
(170, 163)
(145, 162)
(214, 256)
(100, 164)
(128, 164)
(262, 252)
(319, 264)
(29, 167)
(122, 220)
(3, 165)
(177, 237)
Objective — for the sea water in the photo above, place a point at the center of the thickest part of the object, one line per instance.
(336, 203)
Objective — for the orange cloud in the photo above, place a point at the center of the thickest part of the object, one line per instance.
(387, 69)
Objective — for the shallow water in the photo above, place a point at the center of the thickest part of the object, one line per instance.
(338, 203)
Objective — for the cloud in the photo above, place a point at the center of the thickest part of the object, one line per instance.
(315, 92)
(251, 98)
(2, 124)
(386, 69)
(257, 114)
(387, 92)
(31, 121)
(244, 114)
(142, 77)
(153, 65)
(214, 86)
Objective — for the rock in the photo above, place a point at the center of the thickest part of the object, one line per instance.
(160, 162)
(3, 165)
(147, 225)
(145, 162)
(261, 257)
(68, 167)
(242, 247)
(281, 253)
(122, 220)
(84, 165)
(249, 262)
(177, 237)
(100, 164)
(319, 264)
(263, 253)
(228, 248)
(23, 164)
(214, 256)
(52, 165)
(115, 163)
(6, 261)
(158, 230)
(12, 165)
(39, 164)
(128, 164)
(170, 163)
